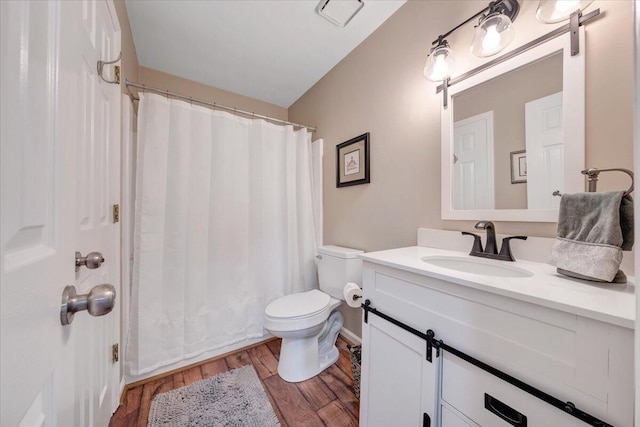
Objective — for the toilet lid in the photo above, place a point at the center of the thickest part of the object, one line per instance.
(301, 304)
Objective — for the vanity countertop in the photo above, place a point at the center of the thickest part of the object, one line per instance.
(611, 303)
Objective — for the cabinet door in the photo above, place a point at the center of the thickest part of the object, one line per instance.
(451, 419)
(398, 384)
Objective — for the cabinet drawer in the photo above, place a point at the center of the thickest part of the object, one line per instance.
(489, 401)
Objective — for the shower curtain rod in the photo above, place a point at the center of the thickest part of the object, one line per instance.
(192, 100)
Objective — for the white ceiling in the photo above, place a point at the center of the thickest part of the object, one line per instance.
(271, 50)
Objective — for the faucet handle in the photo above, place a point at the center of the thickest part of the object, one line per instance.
(505, 250)
(477, 242)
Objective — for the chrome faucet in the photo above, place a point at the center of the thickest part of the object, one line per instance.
(491, 250)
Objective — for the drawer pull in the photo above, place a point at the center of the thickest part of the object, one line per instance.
(504, 411)
(426, 420)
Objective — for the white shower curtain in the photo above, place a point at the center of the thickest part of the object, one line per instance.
(228, 218)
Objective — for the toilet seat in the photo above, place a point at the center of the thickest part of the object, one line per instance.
(299, 311)
(301, 304)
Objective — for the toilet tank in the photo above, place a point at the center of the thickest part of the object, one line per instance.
(336, 267)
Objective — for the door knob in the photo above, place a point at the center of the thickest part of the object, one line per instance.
(92, 261)
(98, 302)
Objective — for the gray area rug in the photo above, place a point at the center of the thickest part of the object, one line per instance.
(231, 399)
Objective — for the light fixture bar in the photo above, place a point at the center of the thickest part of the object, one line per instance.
(553, 34)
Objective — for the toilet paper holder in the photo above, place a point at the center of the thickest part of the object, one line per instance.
(352, 292)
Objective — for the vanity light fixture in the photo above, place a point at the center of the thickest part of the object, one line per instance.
(487, 39)
(493, 33)
(553, 11)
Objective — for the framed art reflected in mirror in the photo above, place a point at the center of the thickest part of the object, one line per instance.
(352, 162)
(518, 167)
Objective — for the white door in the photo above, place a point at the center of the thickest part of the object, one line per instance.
(399, 385)
(60, 136)
(473, 182)
(545, 151)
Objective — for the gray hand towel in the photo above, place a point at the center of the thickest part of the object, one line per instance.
(593, 229)
(626, 222)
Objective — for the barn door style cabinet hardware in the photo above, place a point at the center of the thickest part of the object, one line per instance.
(490, 403)
(477, 355)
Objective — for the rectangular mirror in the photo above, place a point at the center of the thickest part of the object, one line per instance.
(513, 135)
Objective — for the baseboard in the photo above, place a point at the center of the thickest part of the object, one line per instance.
(350, 336)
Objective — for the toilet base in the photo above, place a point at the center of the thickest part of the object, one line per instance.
(304, 358)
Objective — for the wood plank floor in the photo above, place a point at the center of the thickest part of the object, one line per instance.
(325, 400)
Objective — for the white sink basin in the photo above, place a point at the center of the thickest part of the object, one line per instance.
(478, 266)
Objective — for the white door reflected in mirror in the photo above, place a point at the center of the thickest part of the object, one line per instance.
(545, 151)
(473, 181)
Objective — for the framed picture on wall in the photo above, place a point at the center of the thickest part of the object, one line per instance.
(518, 167)
(352, 161)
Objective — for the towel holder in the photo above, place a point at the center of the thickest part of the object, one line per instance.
(592, 179)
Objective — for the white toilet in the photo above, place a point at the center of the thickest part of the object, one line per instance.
(308, 322)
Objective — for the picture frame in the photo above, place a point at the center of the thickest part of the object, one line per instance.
(352, 162)
(518, 167)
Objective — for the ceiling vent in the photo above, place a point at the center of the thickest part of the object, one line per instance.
(339, 12)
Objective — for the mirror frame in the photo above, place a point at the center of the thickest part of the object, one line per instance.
(573, 111)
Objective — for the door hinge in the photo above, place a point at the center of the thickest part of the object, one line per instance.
(114, 353)
(116, 213)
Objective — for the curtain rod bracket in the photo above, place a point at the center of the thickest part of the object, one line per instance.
(132, 97)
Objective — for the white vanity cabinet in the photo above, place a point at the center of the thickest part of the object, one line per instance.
(574, 358)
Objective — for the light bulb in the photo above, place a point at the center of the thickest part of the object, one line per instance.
(491, 39)
(492, 35)
(439, 68)
(440, 64)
